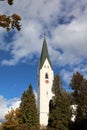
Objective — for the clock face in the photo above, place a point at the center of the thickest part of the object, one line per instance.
(46, 81)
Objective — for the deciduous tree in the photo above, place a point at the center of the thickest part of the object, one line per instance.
(11, 120)
(10, 22)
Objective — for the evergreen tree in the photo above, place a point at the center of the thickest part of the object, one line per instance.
(60, 114)
(79, 86)
(76, 85)
(28, 110)
(82, 104)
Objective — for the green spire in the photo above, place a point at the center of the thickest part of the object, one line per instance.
(44, 54)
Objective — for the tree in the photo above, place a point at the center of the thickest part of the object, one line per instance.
(79, 85)
(10, 22)
(11, 120)
(82, 104)
(76, 85)
(10, 2)
(0, 127)
(60, 115)
(28, 110)
(24, 117)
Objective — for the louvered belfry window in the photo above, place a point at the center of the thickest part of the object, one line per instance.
(46, 76)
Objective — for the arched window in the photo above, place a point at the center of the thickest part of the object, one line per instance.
(46, 76)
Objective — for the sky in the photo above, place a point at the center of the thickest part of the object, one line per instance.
(65, 25)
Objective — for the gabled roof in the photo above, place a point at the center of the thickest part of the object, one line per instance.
(44, 54)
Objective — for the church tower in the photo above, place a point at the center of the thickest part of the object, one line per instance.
(45, 82)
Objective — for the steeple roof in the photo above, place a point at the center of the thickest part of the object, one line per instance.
(44, 54)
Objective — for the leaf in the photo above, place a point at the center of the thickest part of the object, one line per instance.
(10, 2)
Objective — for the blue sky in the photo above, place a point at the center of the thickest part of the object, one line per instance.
(65, 25)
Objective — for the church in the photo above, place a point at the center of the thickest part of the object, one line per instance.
(45, 82)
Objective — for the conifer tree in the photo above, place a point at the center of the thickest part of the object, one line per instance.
(79, 85)
(28, 110)
(60, 115)
(76, 85)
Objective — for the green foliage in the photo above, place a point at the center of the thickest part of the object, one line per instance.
(79, 86)
(25, 117)
(79, 125)
(76, 85)
(56, 84)
(82, 105)
(28, 110)
(60, 114)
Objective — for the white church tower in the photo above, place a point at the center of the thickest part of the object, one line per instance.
(45, 82)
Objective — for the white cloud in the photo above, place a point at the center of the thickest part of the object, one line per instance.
(67, 72)
(6, 105)
(66, 76)
(70, 37)
(35, 93)
(37, 18)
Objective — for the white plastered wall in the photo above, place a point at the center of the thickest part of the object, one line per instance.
(45, 92)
